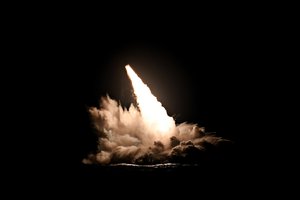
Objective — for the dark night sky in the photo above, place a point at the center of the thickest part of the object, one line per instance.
(211, 66)
(198, 75)
(201, 71)
(206, 66)
(195, 76)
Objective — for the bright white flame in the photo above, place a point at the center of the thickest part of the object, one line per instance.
(154, 114)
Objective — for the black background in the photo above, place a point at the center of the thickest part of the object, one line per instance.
(200, 76)
(204, 68)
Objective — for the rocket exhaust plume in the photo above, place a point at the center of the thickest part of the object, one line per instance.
(146, 134)
(154, 115)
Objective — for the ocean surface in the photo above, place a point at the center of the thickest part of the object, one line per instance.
(166, 169)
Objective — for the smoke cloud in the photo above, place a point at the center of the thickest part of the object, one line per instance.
(125, 137)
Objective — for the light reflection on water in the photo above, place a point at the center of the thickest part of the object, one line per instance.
(156, 166)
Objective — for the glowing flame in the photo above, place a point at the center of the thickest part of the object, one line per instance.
(153, 113)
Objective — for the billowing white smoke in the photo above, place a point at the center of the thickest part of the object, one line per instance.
(147, 135)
